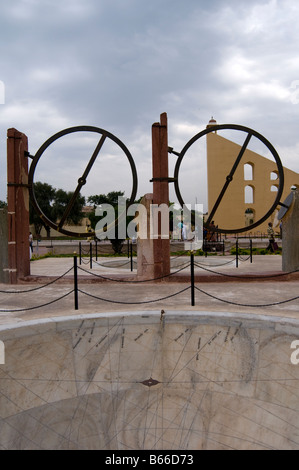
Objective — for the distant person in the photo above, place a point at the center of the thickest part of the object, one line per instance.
(271, 237)
(180, 227)
(212, 230)
(31, 241)
(89, 230)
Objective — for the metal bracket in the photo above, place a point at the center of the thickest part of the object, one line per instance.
(22, 185)
(82, 180)
(170, 150)
(27, 154)
(164, 179)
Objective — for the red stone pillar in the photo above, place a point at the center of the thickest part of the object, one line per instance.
(18, 206)
(161, 246)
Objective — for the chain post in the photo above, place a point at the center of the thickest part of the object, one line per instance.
(192, 278)
(131, 255)
(76, 282)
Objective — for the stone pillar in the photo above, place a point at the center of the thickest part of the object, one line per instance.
(154, 254)
(18, 206)
(290, 235)
(3, 246)
(145, 244)
(161, 192)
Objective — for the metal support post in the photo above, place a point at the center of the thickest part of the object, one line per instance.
(192, 279)
(76, 283)
(131, 255)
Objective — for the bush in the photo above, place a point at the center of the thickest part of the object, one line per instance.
(255, 251)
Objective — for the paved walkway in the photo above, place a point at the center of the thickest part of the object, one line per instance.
(264, 290)
(206, 268)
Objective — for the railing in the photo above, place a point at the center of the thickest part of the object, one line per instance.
(192, 286)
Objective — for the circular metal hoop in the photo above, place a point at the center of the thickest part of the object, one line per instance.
(229, 178)
(82, 180)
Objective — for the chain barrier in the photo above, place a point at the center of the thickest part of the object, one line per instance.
(37, 306)
(89, 252)
(133, 282)
(217, 265)
(246, 305)
(112, 267)
(135, 303)
(36, 288)
(255, 276)
(243, 259)
(186, 253)
(192, 287)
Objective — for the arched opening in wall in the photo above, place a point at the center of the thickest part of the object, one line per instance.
(249, 217)
(249, 194)
(274, 188)
(274, 175)
(248, 171)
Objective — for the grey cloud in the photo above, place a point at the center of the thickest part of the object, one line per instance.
(119, 64)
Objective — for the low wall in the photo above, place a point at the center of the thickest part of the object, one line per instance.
(150, 380)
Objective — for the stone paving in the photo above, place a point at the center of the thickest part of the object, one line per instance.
(264, 289)
(138, 367)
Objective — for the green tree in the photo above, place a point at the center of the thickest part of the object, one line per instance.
(3, 204)
(60, 203)
(53, 204)
(112, 199)
(44, 194)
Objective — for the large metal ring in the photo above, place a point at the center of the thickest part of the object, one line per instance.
(250, 133)
(82, 180)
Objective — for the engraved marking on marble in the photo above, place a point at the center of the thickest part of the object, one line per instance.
(150, 382)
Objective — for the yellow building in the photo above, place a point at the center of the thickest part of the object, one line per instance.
(82, 227)
(253, 189)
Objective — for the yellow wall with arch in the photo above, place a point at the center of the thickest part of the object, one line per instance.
(253, 187)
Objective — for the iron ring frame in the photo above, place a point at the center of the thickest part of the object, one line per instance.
(229, 178)
(82, 180)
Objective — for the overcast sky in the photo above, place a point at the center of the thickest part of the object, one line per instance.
(119, 64)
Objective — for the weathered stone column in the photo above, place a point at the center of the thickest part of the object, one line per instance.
(18, 206)
(290, 236)
(161, 192)
(154, 254)
(145, 244)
